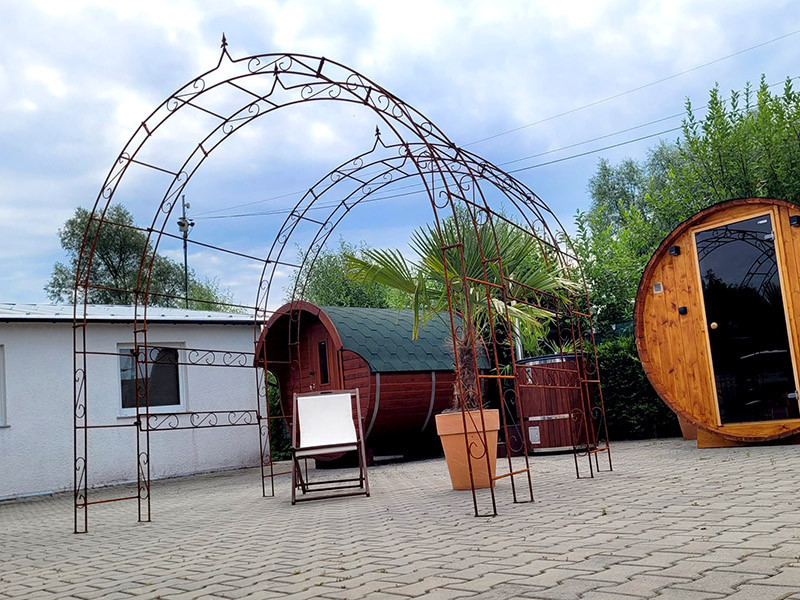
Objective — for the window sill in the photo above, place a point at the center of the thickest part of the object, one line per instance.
(161, 410)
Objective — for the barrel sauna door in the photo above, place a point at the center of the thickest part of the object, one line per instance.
(321, 359)
(746, 321)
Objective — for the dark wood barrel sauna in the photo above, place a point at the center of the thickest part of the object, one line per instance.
(402, 382)
(716, 321)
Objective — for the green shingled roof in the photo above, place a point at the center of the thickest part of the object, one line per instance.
(383, 337)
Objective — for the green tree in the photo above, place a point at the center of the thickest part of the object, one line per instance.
(325, 284)
(115, 267)
(625, 223)
(747, 145)
(425, 281)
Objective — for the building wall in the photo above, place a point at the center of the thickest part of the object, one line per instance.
(36, 445)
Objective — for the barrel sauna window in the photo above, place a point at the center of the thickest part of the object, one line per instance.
(747, 326)
(322, 350)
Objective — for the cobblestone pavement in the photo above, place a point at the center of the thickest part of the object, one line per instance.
(670, 522)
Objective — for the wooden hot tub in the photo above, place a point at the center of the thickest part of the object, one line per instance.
(550, 400)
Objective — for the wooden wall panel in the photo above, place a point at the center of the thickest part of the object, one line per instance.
(445, 390)
(356, 375)
(790, 245)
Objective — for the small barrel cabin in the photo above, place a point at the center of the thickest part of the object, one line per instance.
(717, 321)
(402, 382)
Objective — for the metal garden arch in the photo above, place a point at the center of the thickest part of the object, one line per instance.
(450, 177)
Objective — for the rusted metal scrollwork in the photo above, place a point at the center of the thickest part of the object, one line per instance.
(459, 185)
(198, 420)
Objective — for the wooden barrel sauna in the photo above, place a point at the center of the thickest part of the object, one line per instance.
(402, 382)
(716, 321)
(550, 403)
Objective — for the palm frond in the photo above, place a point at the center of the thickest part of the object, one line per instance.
(386, 267)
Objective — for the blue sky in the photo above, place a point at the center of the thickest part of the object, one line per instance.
(77, 78)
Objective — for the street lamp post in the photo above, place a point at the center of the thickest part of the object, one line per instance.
(185, 225)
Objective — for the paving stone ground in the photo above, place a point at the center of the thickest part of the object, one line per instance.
(670, 522)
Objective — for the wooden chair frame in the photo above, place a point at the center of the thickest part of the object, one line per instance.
(300, 480)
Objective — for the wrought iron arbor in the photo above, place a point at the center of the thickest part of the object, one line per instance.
(459, 185)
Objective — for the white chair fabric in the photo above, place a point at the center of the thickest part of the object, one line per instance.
(325, 420)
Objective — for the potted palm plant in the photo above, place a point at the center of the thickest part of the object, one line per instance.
(424, 282)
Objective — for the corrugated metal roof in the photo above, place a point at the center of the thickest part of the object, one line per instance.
(116, 314)
(383, 337)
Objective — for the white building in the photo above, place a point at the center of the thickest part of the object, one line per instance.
(36, 395)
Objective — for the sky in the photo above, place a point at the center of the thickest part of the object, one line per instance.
(77, 78)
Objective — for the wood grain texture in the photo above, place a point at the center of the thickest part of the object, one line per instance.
(551, 390)
(674, 349)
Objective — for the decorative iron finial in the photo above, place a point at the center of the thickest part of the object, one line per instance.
(377, 132)
(224, 41)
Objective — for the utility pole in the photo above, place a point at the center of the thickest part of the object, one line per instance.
(184, 226)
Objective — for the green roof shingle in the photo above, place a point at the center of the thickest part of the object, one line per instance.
(383, 337)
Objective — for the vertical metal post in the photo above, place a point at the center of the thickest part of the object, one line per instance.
(80, 429)
(142, 380)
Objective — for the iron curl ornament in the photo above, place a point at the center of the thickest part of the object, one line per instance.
(458, 185)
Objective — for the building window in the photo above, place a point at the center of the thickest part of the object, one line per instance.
(163, 378)
(3, 421)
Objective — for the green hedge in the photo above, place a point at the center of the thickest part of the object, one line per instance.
(280, 438)
(633, 409)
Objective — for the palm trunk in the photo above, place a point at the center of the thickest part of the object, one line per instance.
(467, 375)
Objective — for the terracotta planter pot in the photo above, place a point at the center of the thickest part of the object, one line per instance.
(450, 427)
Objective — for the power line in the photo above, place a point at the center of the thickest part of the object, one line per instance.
(420, 188)
(508, 162)
(554, 150)
(630, 91)
(615, 133)
(596, 139)
(570, 157)
(287, 195)
(596, 150)
(286, 211)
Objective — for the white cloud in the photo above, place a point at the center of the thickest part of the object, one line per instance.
(50, 78)
(77, 78)
(25, 105)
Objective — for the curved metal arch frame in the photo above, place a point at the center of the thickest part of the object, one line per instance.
(396, 115)
(589, 417)
(376, 182)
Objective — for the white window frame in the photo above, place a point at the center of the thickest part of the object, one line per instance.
(182, 379)
(3, 413)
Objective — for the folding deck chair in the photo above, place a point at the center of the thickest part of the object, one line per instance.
(323, 424)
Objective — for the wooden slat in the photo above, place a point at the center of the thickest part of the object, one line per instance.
(788, 239)
(674, 346)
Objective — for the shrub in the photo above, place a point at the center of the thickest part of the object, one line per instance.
(280, 438)
(633, 409)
